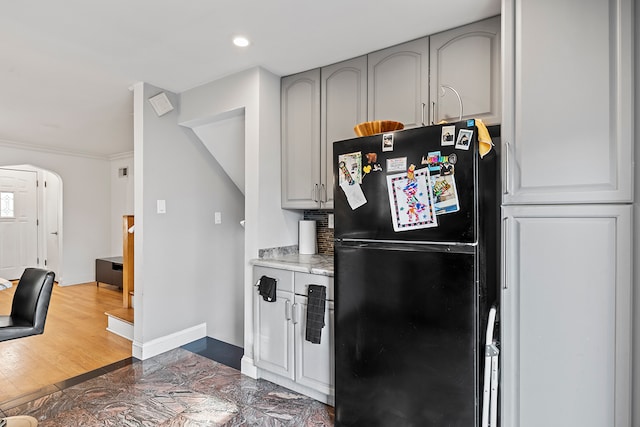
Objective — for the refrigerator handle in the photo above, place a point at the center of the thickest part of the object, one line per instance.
(506, 167)
(287, 310)
(505, 241)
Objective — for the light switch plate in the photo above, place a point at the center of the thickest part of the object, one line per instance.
(218, 217)
(330, 221)
(161, 206)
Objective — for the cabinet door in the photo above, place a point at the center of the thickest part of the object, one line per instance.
(301, 140)
(568, 101)
(274, 349)
(465, 61)
(314, 362)
(566, 316)
(398, 81)
(344, 104)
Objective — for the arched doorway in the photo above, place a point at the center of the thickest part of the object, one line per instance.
(30, 220)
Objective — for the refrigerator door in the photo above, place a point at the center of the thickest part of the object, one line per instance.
(405, 336)
(378, 160)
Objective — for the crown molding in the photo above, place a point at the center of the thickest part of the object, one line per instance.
(55, 150)
(118, 156)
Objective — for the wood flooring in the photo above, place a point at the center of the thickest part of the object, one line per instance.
(75, 340)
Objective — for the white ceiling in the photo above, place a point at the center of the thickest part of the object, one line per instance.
(66, 65)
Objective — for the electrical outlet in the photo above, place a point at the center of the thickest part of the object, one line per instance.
(218, 217)
(330, 220)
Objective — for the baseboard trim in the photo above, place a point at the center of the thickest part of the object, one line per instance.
(328, 399)
(120, 327)
(157, 346)
(248, 368)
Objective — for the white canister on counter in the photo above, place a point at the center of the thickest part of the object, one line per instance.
(307, 242)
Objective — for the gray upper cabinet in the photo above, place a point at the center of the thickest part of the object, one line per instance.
(319, 107)
(568, 102)
(323, 105)
(465, 73)
(300, 100)
(343, 102)
(398, 83)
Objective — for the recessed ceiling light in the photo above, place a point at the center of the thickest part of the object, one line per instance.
(241, 41)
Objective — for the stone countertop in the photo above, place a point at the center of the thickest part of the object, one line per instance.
(314, 264)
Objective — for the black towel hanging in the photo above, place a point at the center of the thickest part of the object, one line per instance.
(316, 295)
(267, 288)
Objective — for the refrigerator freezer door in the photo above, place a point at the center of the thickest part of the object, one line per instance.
(405, 336)
(373, 219)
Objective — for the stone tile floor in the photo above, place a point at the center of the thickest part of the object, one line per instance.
(176, 388)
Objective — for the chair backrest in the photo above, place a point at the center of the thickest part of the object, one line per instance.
(32, 296)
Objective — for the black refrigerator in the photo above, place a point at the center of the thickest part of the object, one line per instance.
(416, 271)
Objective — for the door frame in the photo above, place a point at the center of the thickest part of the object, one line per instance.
(42, 175)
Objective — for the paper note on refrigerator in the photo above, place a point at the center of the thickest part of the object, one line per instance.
(411, 200)
(354, 194)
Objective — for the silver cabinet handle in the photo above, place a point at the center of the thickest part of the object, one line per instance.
(296, 317)
(323, 193)
(505, 242)
(287, 310)
(423, 107)
(459, 99)
(54, 232)
(507, 178)
(433, 112)
(315, 193)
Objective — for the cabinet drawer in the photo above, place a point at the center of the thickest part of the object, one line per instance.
(303, 280)
(284, 278)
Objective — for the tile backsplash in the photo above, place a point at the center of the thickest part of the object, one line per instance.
(324, 233)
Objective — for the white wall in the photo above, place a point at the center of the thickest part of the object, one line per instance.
(267, 225)
(86, 205)
(122, 196)
(224, 139)
(184, 262)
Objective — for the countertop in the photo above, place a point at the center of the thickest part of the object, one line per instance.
(314, 264)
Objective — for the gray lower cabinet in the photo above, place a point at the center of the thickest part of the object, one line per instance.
(314, 362)
(567, 129)
(566, 316)
(281, 351)
(465, 73)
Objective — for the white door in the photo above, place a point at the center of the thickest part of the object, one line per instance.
(18, 222)
(52, 223)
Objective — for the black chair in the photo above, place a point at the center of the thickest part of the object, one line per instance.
(30, 305)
